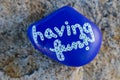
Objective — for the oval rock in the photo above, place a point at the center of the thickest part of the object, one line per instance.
(66, 36)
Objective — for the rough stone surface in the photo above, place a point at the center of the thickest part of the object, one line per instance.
(20, 61)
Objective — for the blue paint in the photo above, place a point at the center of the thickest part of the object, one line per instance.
(67, 37)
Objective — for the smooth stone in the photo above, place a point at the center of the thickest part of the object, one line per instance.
(67, 37)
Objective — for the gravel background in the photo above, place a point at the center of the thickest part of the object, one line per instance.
(20, 61)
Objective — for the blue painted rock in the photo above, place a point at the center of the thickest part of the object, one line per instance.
(66, 36)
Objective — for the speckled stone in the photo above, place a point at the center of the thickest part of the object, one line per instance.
(20, 61)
